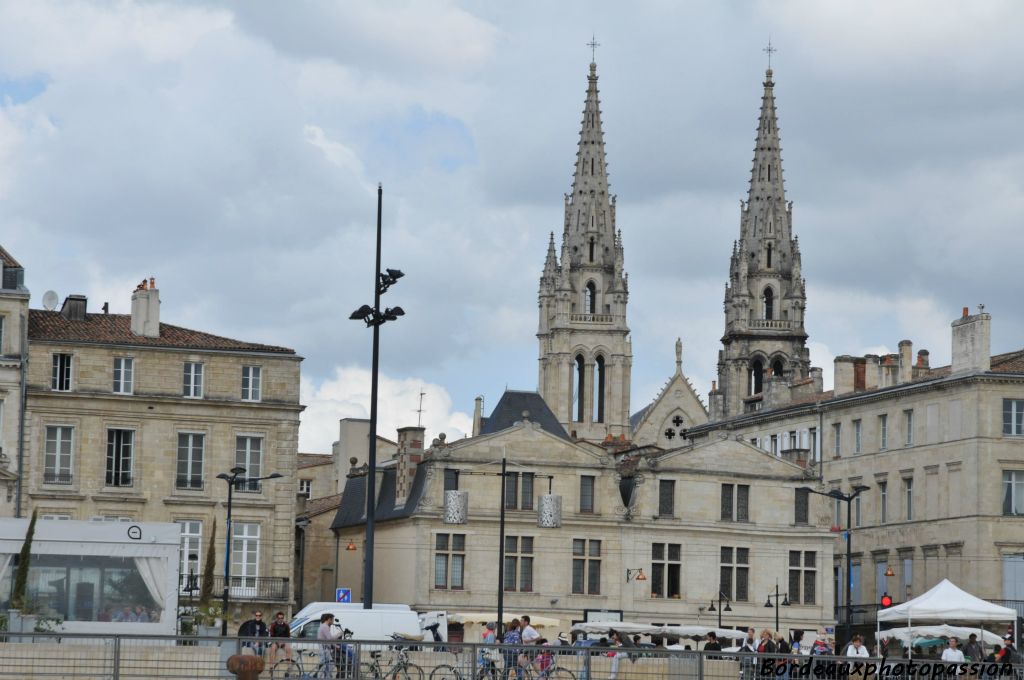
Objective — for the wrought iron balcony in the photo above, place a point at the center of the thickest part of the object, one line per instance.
(193, 482)
(58, 478)
(257, 588)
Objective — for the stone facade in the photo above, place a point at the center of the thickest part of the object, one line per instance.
(14, 299)
(585, 353)
(113, 433)
(677, 408)
(659, 511)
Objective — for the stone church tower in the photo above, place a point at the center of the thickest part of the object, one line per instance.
(764, 346)
(585, 353)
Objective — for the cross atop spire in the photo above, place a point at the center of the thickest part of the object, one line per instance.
(769, 50)
(593, 45)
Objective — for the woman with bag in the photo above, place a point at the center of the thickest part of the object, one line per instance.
(489, 657)
(513, 636)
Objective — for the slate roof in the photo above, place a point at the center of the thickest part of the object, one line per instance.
(319, 506)
(115, 329)
(8, 259)
(352, 510)
(509, 411)
(634, 420)
(307, 460)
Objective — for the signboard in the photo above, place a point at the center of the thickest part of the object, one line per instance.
(343, 595)
(830, 630)
(599, 615)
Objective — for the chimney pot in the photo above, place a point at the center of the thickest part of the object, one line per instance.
(965, 313)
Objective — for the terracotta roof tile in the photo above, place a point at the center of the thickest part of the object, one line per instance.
(115, 329)
(318, 506)
(313, 459)
(8, 259)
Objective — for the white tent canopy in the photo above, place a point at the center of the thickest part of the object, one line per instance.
(905, 635)
(946, 602)
(602, 628)
(485, 617)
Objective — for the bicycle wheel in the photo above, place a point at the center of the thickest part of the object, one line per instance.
(409, 671)
(286, 668)
(445, 672)
(367, 671)
(561, 674)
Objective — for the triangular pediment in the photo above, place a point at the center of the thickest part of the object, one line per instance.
(675, 409)
(729, 456)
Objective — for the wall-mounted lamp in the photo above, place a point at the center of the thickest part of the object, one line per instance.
(635, 575)
(889, 571)
(351, 547)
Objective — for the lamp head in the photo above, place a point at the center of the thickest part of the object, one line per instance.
(860, 488)
(238, 470)
(225, 476)
(785, 600)
(351, 547)
(362, 313)
(727, 608)
(275, 475)
(395, 274)
(768, 603)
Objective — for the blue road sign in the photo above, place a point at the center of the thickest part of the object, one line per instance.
(343, 595)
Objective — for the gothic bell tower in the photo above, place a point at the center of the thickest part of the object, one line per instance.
(765, 296)
(585, 352)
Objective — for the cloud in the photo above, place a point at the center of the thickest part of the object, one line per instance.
(347, 395)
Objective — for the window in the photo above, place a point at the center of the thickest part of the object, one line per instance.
(666, 570)
(883, 501)
(449, 561)
(1013, 492)
(192, 385)
(813, 436)
(245, 554)
(794, 440)
(908, 426)
(190, 460)
(124, 374)
(55, 515)
(251, 379)
(775, 445)
(802, 576)
(756, 382)
(119, 457)
(838, 515)
(587, 493)
(57, 457)
(908, 578)
(857, 430)
(586, 567)
(769, 303)
(451, 479)
(590, 296)
(666, 498)
(837, 439)
(60, 379)
(881, 580)
(248, 454)
(1013, 417)
(189, 553)
(1, 335)
(735, 573)
(801, 509)
(581, 383)
(857, 512)
(735, 502)
(519, 563)
(908, 491)
(519, 491)
(883, 432)
(598, 402)
(306, 488)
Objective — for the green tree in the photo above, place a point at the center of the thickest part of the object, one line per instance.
(206, 587)
(18, 600)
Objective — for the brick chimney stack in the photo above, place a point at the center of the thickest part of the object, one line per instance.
(410, 455)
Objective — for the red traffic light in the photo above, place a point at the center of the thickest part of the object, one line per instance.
(886, 601)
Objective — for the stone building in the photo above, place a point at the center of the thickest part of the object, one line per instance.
(132, 419)
(583, 523)
(13, 319)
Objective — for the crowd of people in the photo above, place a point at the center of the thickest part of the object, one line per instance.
(128, 614)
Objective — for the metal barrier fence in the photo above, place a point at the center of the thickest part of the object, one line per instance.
(28, 656)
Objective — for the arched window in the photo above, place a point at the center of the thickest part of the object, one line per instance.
(590, 298)
(769, 303)
(769, 256)
(599, 390)
(580, 387)
(756, 377)
(591, 248)
(777, 368)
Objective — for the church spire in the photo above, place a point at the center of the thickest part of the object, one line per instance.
(766, 182)
(591, 177)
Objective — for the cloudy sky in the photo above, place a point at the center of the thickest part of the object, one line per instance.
(232, 150)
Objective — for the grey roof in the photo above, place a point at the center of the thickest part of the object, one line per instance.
(634, 420)
(352, 511)
(509, 411)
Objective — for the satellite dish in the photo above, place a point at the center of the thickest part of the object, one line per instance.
(50, 300)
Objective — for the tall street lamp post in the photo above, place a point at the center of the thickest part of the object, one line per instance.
(711, 607)
(233, 479)
(848, 499)
(784, 603)
(375, 318)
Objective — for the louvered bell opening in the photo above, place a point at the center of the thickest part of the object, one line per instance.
(456, 507)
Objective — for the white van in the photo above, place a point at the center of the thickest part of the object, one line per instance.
(379, 623)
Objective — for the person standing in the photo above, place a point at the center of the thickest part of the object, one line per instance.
(973, 649)
(952, 652)
(530, 634)
(489, 657)
(766, 645)
(513, 636)
(711, 644)
(330, 654)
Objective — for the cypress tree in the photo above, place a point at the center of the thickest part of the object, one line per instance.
(206, 587)
(24, 557)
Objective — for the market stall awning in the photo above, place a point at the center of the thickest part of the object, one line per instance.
(467, 618)
(946, 602)
(905, 635)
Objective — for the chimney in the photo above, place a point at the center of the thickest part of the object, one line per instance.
(922, 358)
(842, 381)
(146, 309)
(478, 408)
(410, 454)
(819, 381)
(74, 308)
(410, 439)
(906, 370)
(972, 342)
(871, 380)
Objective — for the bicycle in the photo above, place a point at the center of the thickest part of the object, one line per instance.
(400, 669)
(294, 669)
(485, 672)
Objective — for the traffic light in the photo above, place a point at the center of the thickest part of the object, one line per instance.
(886, 601)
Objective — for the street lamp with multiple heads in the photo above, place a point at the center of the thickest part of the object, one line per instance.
(784, 603)
(848, 499)
(711, 607)
(233, 479)
(374, 318)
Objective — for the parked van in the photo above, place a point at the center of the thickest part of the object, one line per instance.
(378, 623)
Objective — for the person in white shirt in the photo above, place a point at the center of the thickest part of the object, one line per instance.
(953, 652)
(857, 648)
(530, 634)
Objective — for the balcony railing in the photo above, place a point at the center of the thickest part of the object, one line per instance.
(773, 324)
(248, 486)
(259, 588)
(58, 478)
(592, 318)
(193, 482)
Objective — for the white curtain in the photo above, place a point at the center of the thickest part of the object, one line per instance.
(153, 571)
